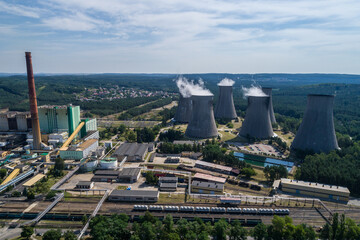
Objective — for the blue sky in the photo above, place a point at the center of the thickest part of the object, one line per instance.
(181, 36)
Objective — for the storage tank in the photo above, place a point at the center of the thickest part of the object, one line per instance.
(90, 166)
(268, 91)
(108, 163)
(316, 131)
(225, 108)
(202, 123)
(257, 123)
(184, 109)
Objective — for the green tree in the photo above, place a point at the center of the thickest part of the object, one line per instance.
(59, 166)
(27, 231)
(52, 235)
(3, 173)
(69, 235)
(326, 232)
(248, 172)
(168, 223)
(51, 194)
(260, 232)
(30, 194)
(147, 231)
(220, 230)
(237, 232)
(151, 178)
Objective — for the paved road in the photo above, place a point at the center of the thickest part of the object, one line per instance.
(6, 233)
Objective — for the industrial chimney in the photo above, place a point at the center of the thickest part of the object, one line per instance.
(202, 123)
(317, 132)
(257, 123)
(225, 108)
(33, 103)
(268, 91)
(184, 109)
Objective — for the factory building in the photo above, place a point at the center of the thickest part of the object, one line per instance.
(90, 126)
(15, 121)
(202, 123)
(59, 118)
(133, 196)
(85, 185)
(316, 131)
(105, 176)
(129, 175)
(318, 190)
(108, 163)
(168, 184)
(207, 187)
(135, 152)
(208, 178)
(225, 108)
(184, 110)
(79, 152)
(213, 167)
(257, 123)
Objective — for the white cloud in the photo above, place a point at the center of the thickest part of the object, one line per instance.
(20, 10)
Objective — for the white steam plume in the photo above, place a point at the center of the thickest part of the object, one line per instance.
(188, 88)
(226, 82)
(254, 91)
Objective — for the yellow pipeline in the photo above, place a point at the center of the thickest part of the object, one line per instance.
(72, 136)
(11, 176)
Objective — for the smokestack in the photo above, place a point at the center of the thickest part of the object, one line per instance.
(225, 107)
(33, 103)
(316, 131)
(257, 123)
(184, 109)
(268, 91)
(202, 123)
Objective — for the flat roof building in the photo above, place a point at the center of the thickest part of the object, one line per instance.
(207, 187)
(34, 180)
(79, 152)
(208, 178)
(213, 167)
(133, 151)
(133, 196)
(319, 190)
(129, 175)
(85, 185)
(105, 176)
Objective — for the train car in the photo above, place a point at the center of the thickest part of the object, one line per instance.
(202, 209)
(250, 210)
(155, 208)
(282, 211)
(218, 210)
(171, 208)
(140, 207)
(187, 209)
(234, 210)
(265, 211)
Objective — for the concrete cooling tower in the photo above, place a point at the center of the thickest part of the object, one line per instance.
(184, 109)
(316, 131)
(268, 91)
(225, 107)
(257, 123)
(202, 123)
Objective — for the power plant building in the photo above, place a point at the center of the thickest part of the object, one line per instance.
(257, 123)
(225, 108)
(268, 91)
(55, 119)
(202, 123)
(316, 131)
(15, 121)
(184, 110)
(79, 152)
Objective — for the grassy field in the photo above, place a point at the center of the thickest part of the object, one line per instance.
(153, 113)
(130, 124)
(288, 137)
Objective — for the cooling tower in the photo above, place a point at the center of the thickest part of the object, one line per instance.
(268, 91)
(184, 109)
(202, 122)
(225, 107)
(33, 103)
(257, 123)
(316, 131)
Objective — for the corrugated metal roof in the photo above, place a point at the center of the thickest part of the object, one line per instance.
(34, 180)
(212, 165)
(209, 178)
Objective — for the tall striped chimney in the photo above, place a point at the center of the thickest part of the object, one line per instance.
(33, 103)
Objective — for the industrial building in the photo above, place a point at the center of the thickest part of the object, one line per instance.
(108, 163)
(318, 190)
(79, 152)
(85, 185)
(105, 176)
(213, 167)
(316, 132)
(15, 121)
(202, 123)
(133, 196)
(184, 110)
(225, 108)
(208, 178)
(129, 175)
(207, 187)
(268, 91)
(257, 123)
(168, 184)
(135, 152)
(33, 180)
